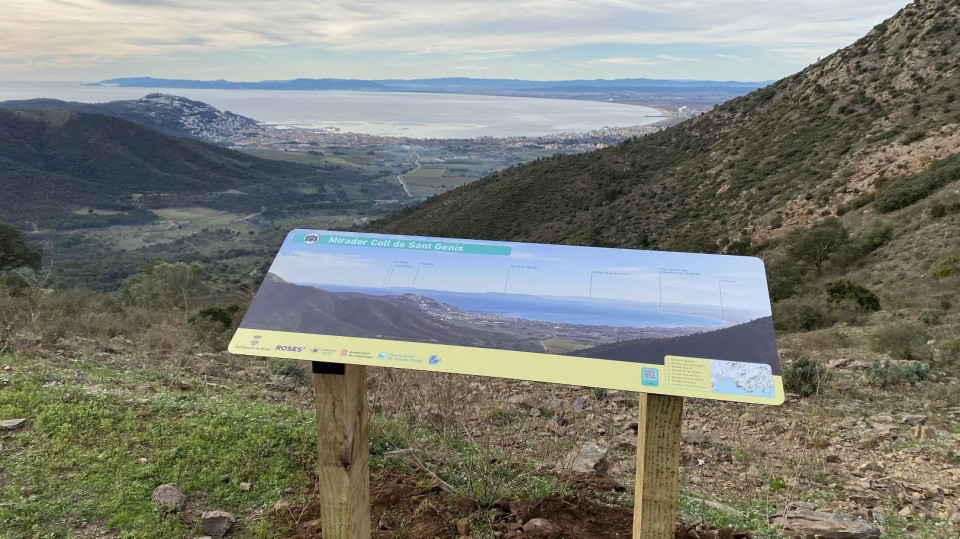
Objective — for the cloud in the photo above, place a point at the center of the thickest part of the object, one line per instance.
(733, 57)
(622, 61)
(107, 30)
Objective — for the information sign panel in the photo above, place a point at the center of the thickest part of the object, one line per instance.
(659, 322)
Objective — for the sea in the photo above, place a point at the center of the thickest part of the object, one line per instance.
(415, 115)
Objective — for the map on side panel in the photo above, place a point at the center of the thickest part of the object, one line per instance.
(739, 378)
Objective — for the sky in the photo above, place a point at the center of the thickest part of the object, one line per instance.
(534, 269)
(251, 40)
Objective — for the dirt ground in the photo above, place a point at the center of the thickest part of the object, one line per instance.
(407, 505)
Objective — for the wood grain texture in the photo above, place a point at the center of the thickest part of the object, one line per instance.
(342, 447)
(658, 466)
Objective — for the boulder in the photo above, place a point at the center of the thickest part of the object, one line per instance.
(169, 497)
(806, 523)
(217, 523)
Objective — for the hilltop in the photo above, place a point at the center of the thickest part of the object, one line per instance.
(169, 114)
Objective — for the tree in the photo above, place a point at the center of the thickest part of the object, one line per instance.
(814, 245)
(14, 253)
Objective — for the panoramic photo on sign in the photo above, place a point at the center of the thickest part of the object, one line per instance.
(659, 322)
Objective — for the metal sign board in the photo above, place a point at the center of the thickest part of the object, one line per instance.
(658, 322)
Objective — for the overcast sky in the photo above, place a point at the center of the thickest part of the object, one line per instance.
(529, 39)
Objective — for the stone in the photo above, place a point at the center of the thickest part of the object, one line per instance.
(217, 523)
(245, 487)
(541, 528)
(579, 403)
(169, 497)
(463, 526)
(402, 454)
(10, 424)
(803, 523)
(589, 457)
(692, 437)
(281, 506)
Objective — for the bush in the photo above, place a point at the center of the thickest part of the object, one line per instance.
(878, 232)
(288, 367)
(797, 315)
(885, 374)
(783, 278)
(947, 266)
(805, 376)
(845, 289)
(951, 348)
(931, 316)
(901, 341)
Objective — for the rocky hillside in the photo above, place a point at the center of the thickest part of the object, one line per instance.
(847, 133)
(170, 114)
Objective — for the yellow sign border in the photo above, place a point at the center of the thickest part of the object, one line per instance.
(561, 369)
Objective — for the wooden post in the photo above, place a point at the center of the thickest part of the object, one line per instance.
(658, 466)
(342, 446)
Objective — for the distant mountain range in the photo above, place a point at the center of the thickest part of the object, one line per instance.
(585, 89)
(170, 114)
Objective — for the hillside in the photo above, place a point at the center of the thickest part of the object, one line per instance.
(813, 144)
(56, 162)
(170, 114)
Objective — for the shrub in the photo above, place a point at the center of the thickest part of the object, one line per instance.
(845, 289)
(912, 136)
(931, 316)
(912, 188)
(878, 232)
(951, 348)
(885, 374)
(288, 367)
(783, 277)
(805, 376)
(901, 341)
(947, 266)
(797, 315)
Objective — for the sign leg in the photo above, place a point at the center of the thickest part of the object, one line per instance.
(343, 450)
(658, 466)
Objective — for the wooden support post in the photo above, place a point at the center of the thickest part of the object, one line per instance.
(343, 447)
(658, 466)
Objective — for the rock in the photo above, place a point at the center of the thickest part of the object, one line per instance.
(143, 460)
(465, 505)
(245, 487)
(169, 497)
(10, 424)
(541, 528)
(924, 433)
(905, 512)
(590, 457)
(281, 506)
(579, 403)
(463, 526)
(280, 385)
(692, 437)
(803, 523)
(402, 454)
(217, 523)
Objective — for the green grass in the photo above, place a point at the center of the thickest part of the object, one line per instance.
(77, 459)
